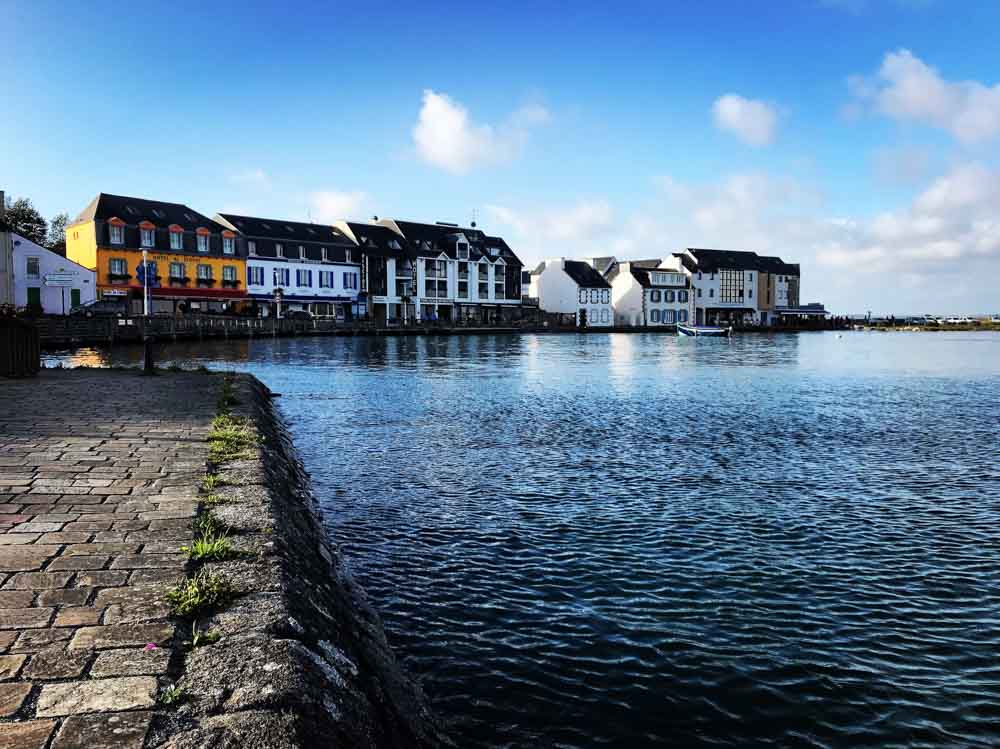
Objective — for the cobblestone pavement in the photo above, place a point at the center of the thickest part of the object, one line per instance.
(99, 473)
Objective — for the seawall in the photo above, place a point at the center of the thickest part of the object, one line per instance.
(302, 659)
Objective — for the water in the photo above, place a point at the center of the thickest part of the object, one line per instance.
(631, 541)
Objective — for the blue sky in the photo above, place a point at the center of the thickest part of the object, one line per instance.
(858, 137)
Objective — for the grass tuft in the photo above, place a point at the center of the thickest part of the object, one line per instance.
(210, 549)
(199, 594)
(211, 482)
(201, 638)
(172, 695)
(231, 438)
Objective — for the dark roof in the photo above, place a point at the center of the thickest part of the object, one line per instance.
(430, 240)
(584, 275)
(710, 261)
(280, 229)
(654, 263)
(380, 241)
(135, 210)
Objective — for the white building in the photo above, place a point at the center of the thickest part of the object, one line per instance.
(650, 293)
(45, 279)
(573, 287)
(316, 267)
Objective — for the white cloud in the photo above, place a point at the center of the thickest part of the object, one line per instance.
(752, 121)
(252, 178)
(903, 165)
(328, 206)
(446, 137)
(562, 231)
(907, 89)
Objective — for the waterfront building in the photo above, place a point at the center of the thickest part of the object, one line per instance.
(194, 263)
(311, 267)
(573, 287)
(458, 273)
(48, 282)
(6, 258)
(649, 293)
(383, 253)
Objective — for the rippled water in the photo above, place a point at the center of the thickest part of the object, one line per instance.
(636, 541)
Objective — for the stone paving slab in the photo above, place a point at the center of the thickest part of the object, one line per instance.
(99, 478)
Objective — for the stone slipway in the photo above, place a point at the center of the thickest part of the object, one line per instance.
(99, 483)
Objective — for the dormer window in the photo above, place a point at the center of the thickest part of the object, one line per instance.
(228, 243)
(302, 252)
(347, 256)
(147, 234)
(176, 237)
(251, 247)
(463, 250)
(279, 249)
(116, 229)
(323, 253)
(202, 240)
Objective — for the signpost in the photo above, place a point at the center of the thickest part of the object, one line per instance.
(60, 280)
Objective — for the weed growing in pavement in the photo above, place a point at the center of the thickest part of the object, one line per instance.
(199, 594)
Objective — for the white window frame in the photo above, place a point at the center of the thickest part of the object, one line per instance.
(147, 237)
(202, 243)
(176, 240)
(204, 272)
(228, 245)
(38, 266)
(229, 270)
(117, 233)
(279, 249)
(251, 247)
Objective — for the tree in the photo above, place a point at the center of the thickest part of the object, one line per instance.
(57, 233)
(24, 219)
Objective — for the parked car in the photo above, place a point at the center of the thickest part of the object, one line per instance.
(101, 308)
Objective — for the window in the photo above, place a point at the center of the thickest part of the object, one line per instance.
(117, 234)
(654, 315)
(303, 278)
(682, 315)
(147, 237)
(731, 286)
(350, 280)
(322, 254)
(711, 292)
(606, 296)
(463, 271)
(668, 316)
(282, 277)
(484, 290)
(229, 273)
(604, 315)
(228, 245)
(255, 275)
(202, 243)
(583, 296)
(594, 296)
(499, 281)
(251, 248)
(463, 251)
(682, 296)
(463, 289)
(749, 293)
(118, 267)
(654, 296)
(302, 252)
(699, 293)
(33, 268)
(204, 272)
(484, 272)
(347, 256)
(326, 279)
(668, 296)
(177, 271)
(176, 240)
(699, 275)
(279, 249)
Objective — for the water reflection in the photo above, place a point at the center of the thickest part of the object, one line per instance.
(609, 540)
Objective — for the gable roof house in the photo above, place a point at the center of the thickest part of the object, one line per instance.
(573, 287)
(649, 293)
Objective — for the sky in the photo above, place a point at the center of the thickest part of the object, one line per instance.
(859, 138)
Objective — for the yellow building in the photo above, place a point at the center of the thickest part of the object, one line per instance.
(194, 262)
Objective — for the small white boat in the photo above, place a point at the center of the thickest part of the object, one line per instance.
(711, 331)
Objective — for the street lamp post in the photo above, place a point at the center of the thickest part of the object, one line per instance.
(145, 283)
